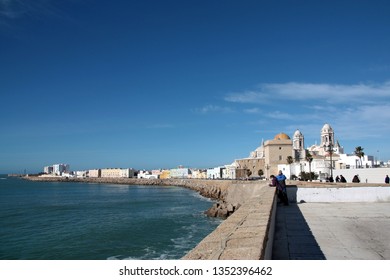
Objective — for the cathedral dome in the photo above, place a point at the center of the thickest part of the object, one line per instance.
(281, 136)
(326, 128)
(297, 134)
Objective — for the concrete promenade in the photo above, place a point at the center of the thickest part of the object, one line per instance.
(332, 231)
(311, 229)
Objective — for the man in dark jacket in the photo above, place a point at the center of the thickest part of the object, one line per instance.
(281, 186)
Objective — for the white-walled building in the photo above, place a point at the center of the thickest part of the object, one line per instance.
(353, 162)
(60, 168)
(180, 173)
(216, 172)
(127, 173)
(230, 171)
(48, 169)
(81, 174)
(143, 174)
(198, 174)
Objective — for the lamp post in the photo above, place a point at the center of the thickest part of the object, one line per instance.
(310, 159)
(267, 168)
(329, 148)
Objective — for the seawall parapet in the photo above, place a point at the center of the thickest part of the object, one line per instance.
(246, 235)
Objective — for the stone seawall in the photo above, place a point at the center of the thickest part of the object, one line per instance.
(246, 235)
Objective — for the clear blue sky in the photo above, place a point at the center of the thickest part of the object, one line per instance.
(157, 84)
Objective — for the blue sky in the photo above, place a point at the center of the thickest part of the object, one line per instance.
(157, 84)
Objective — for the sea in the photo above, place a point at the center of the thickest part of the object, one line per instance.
(85, 221)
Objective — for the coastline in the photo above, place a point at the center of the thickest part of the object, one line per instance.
(249, 229)
(210, 189)
(217, 190)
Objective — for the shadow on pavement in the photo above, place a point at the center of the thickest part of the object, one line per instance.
(293, 238)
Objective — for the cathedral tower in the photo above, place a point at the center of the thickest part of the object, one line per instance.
(299, 146)
(327, 136)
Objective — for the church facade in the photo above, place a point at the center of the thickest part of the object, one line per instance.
(291, 156)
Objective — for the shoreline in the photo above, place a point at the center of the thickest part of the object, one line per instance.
(249, 233)
(217, 190)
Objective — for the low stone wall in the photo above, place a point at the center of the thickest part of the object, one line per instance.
(245, 235)
(357, 193)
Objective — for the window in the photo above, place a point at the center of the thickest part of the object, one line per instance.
(280, 157)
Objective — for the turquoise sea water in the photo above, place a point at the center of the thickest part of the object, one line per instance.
(74, 221)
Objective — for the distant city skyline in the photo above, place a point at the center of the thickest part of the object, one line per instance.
(158, 84)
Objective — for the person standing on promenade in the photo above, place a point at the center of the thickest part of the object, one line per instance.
(281, 180)
(356, 179)
(274, 182)
(387, 179)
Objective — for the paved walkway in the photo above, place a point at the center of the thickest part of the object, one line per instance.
(332, 231)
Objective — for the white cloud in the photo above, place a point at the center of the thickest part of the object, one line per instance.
(280, 115)
(253, 111)
(330, 93)
(358, 113)
(213, 109)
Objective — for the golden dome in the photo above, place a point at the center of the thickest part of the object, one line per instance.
(281, 136)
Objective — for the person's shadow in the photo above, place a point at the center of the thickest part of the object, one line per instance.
(293, 239)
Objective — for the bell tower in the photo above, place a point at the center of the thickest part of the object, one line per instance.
(327, 138)
(298, 146)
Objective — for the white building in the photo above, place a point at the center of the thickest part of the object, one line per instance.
(143, 174)
(48, 169)
(81, 174)
(230, 171)
(58, 169)
(180, 173)
(353, 161)
(216, 172)
(198, 174)
(127, 173)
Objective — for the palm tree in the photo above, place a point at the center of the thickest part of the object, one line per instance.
(290, 160)
(248, 173)
(359, 153)
(309, 158)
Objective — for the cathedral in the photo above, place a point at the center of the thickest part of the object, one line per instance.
(282, 150)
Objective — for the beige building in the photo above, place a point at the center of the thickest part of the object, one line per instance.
(276, 152)
(266, 157)
(165, 174)
(111, 173)
(94, 173)
(118, 173)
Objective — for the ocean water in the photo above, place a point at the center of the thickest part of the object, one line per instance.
(76, 221)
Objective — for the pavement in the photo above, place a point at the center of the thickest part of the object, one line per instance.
(332, 231)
